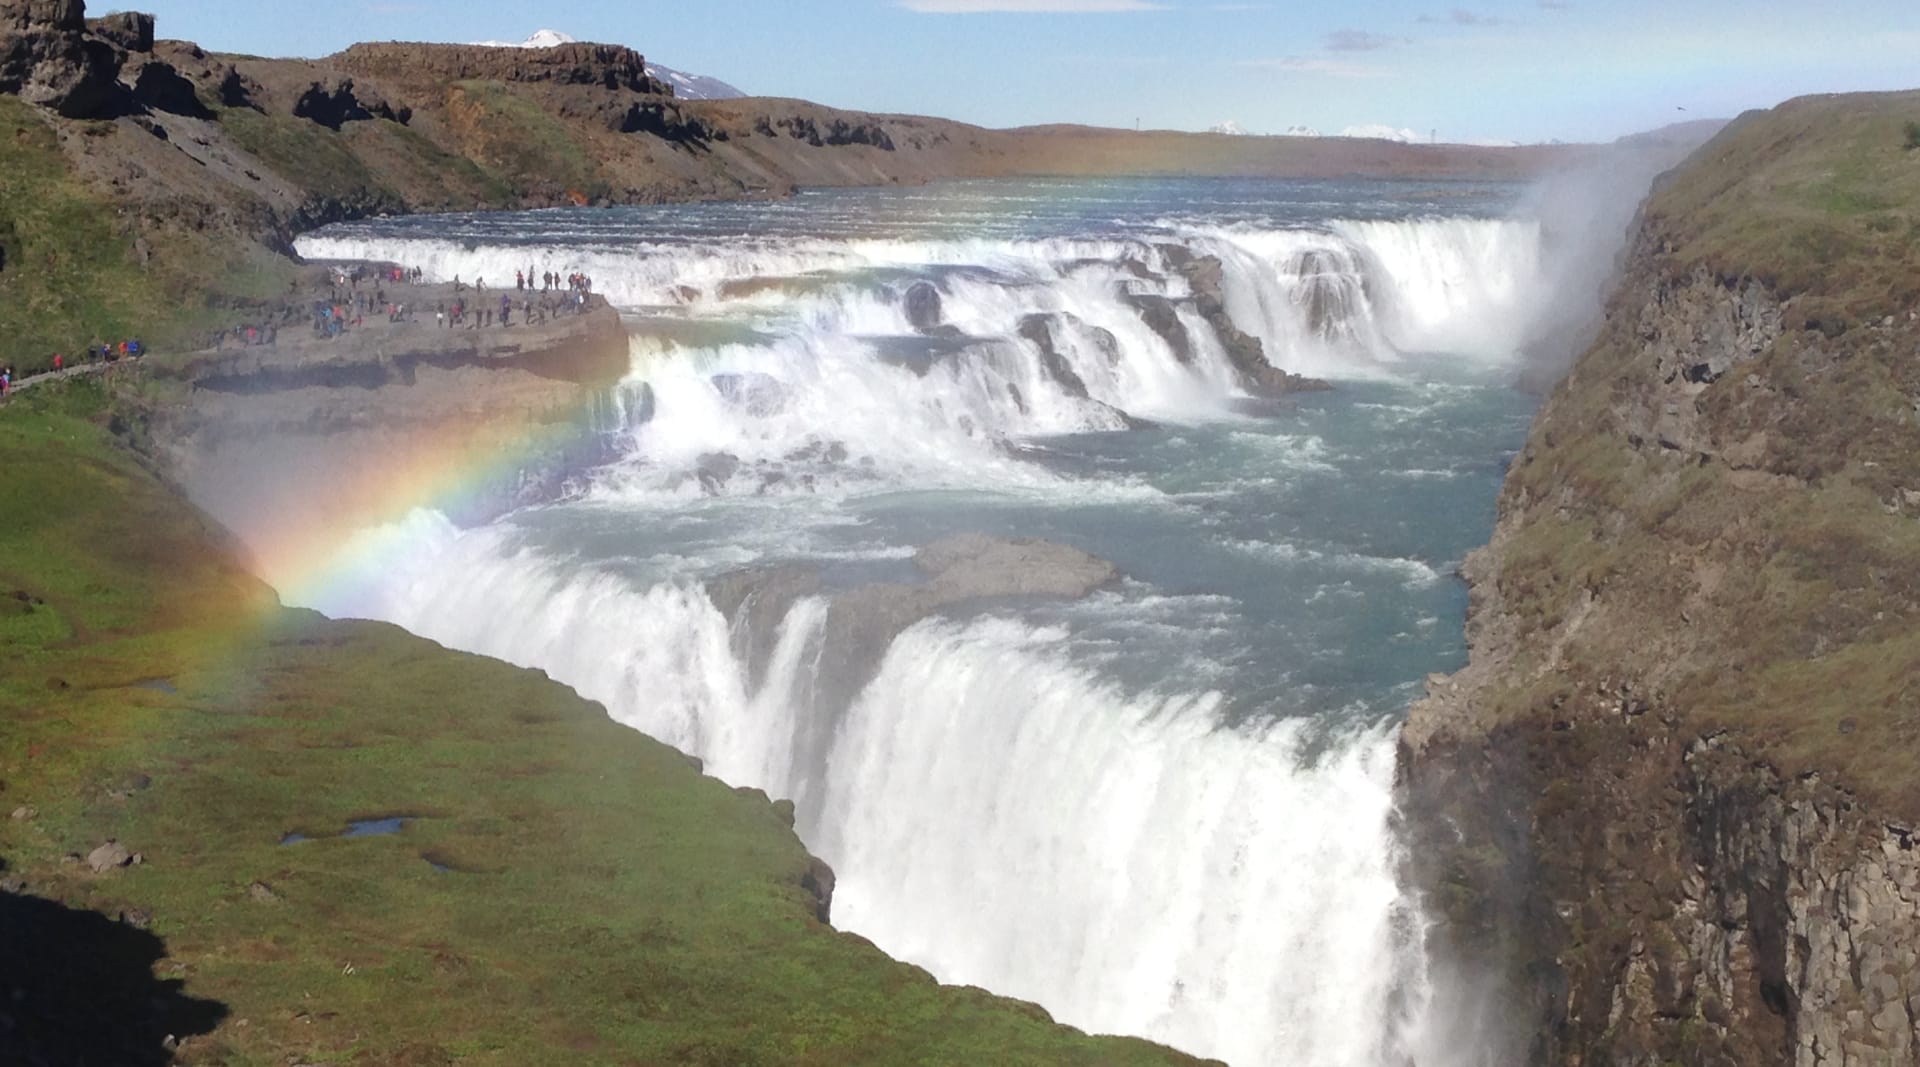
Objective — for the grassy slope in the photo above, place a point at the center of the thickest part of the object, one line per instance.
(603, 902)
(1781, 601)
(1819, 198)
(81, 269)
(69, 277)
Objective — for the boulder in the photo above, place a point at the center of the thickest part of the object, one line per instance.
(111, 856)
(754, 393)
(818, 881)
(715, 469)
(922, 305)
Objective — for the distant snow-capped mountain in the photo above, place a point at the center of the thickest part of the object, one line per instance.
(1230, 128)
(685, 86)
(1378, 132)
(694, 86)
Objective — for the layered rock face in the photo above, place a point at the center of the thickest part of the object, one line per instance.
(600, 65)
(1667, 812)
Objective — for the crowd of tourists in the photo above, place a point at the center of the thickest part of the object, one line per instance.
(97, 355)
(354, 295)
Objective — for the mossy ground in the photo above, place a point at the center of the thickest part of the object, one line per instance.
(569, 891)
(1820, 196)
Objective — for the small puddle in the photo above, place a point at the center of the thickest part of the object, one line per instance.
(383, 827)
(157, 685)
(377, 827)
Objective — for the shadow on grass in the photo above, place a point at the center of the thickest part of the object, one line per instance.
(78, 988)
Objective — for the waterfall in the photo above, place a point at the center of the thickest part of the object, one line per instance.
(1162, 842)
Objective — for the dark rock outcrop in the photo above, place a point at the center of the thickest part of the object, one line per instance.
(129, 31)
(1037, 330)
(157, 85)
(1162, 316)
(922, 305)
(1206, 275)
(335, 102)
(835, 132)
(48, 58)
(665, 120)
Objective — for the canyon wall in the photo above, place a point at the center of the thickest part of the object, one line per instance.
(1667, 811)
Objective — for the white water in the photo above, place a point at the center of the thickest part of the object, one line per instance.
(829, 359)
(1001, 816)
(998, 807)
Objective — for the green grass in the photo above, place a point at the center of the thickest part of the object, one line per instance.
(70, 276)
(79, 271)
(318, 159)
(1818, 197)
(515, 138)
(604, 903)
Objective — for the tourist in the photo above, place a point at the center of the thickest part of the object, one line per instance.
(59, 363)
(506, 308)
(519, 281)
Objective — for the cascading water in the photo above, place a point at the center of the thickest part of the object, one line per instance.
(1163, 809)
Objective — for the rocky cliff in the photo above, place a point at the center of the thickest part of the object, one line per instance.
(1668, 809)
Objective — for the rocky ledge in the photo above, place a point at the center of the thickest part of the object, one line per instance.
(317, 435)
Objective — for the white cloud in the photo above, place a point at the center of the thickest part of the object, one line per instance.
(1027, 7)
(1332, 68)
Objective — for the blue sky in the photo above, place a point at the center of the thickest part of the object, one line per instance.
(1526, 70)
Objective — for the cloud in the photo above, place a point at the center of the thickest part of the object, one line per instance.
(1360, 41)
(1556, 5)
(1332, 68)
(1027, 7)
(1460, 16)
